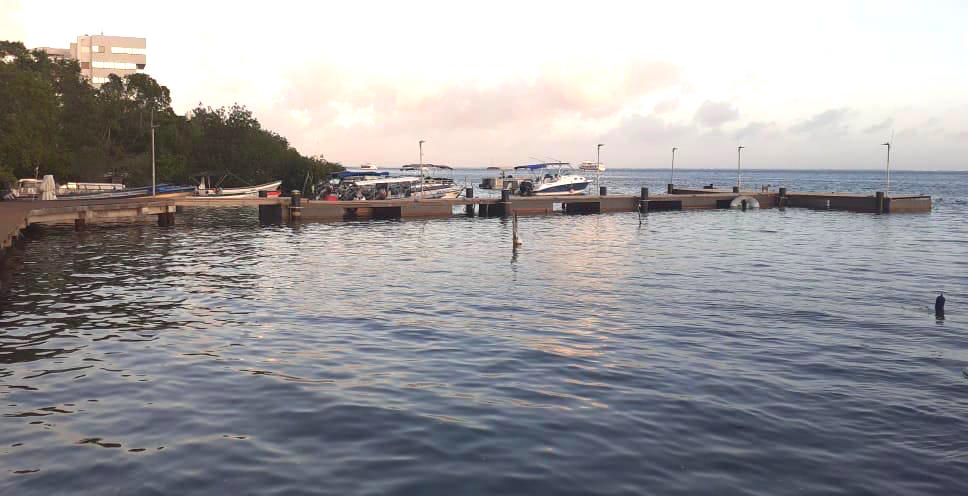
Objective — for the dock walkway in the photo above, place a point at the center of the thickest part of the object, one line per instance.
(18, 215)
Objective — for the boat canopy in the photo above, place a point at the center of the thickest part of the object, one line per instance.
(346, 174)
(545, 165)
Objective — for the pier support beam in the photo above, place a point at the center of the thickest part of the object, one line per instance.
(166, 219)
(469, 209)
(602, 191)
(879, 202)
(295, 206)
(781, 198)
(270, 214)
(504, 206)
(80, 224)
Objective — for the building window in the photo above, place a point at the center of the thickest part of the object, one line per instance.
(141, 66)
(114, 65)
(99, 80)
(97, 49)
(130, 51)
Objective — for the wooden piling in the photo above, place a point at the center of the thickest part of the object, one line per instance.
(295, 205)
(469, 209)
(602, 191)
(670, 188)
(879, 202)
(735, 189)
(644, 200)
(505, 203)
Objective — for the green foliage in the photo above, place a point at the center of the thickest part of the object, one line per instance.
(52, 121)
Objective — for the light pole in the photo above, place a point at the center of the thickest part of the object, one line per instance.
(421, 168)
(598, 156)
(739, 157)
(672, 175)
(887, 190)
(152, 152)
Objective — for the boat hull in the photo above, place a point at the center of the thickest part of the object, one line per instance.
(562, 189)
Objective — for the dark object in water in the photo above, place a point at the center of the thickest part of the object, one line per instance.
(939, 306)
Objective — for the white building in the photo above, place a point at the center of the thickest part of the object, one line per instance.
(100, 56)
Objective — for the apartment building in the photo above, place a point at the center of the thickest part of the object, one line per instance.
(100, 56)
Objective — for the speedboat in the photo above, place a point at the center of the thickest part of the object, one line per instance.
(366, 185)
(431, 185)
(551, 178)
(589, 166)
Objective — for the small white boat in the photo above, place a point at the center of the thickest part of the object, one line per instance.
(558, 179)
(589, 166)
(368, 167)
(209, 187)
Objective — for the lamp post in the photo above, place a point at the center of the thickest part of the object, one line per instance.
(739, 157)
(153, 191)
(887, 190)
(598, 156)
(672, 175)
(420, 144)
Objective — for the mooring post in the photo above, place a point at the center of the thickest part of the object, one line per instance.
(295, 205)
(743, 203)
(602, 191)
(80, 223)
(879, 201)
(644, 200)
(670, 188)
(735, 189)
(939, 306)
(781, 198)
(505, 202)
(469, 209)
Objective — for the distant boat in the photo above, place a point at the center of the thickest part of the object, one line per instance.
(590, 166)
(368, 166)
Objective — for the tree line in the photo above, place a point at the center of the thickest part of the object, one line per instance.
(53, 121)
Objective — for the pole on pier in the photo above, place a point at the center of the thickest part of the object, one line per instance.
(505, 202)
(744, 204)
(469, 209)
(939, 306)
(739, 157)
(515, 241)
(735, 189)
(888, 187)
(153, 189)
(670, 188)
(879, 202)
(672, 174)
(781, 198)
(644, 200)
(602, 191)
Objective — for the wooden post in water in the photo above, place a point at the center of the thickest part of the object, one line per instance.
(781, 198)
(602, 191)
(644, 200)
(515, 241)
(879, 202)
(295, 205)
(670, 188)
(735, 189)
(469, 209)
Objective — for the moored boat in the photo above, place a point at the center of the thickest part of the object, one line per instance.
(558, 179)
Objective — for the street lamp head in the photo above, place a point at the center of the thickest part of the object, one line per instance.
(601, 145)
(740, 147)
(886, 144)
(422, 142)
(675, 148)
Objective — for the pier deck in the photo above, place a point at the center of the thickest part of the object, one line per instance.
(18, 215)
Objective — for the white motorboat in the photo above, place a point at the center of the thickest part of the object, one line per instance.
(589, 166)
(434, 186)
(368, 167)
(210, 187)
(552, 178)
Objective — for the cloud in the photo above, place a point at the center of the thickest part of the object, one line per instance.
(756, 129)
(831, 121)
(881, 126)
(715, 114)
(666, 106)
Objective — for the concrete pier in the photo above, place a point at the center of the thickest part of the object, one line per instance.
(18, 215)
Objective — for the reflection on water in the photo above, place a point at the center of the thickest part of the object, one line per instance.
(687, 352)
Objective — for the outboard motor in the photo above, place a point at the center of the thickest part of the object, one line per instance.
(526, 188)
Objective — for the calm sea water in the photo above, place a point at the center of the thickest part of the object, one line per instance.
(713, 352)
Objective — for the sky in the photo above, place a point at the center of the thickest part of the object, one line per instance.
(799, 84)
